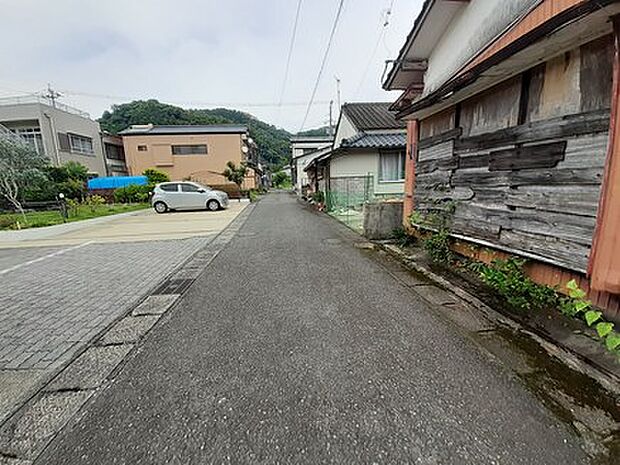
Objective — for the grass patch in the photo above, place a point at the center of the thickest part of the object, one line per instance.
(14, 221)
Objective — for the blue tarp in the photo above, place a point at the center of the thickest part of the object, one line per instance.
(114, 182)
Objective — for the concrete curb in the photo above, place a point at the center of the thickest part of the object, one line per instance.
(58, 229)
(574, 360)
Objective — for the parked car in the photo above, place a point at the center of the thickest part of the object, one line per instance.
(187, 196)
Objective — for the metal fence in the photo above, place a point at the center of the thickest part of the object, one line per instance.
(346, 197)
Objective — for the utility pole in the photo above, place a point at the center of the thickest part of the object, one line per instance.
(331, 120)
(338, 90)
(52, 95)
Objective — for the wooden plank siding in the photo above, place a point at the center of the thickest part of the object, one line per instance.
(522, 166)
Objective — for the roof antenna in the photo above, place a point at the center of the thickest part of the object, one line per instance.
(52, 95)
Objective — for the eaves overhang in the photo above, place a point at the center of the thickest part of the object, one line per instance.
(571, 28)
(429, 26)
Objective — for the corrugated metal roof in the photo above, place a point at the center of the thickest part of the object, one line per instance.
(372, 116)
(376, 140)
(184, 129)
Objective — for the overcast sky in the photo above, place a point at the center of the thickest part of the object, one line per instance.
(200, 53)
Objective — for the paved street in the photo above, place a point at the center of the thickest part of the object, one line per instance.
(56, 299)
(294, 346)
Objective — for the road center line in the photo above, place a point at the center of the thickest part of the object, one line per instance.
(44, 257)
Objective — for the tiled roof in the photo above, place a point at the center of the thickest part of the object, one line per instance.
(372, 116)
(376, 140)
(148, 129)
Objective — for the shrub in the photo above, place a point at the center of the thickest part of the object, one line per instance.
(437, 246)
(402, 237)
(253, 194)
(8, 222)
(94, 201)
(155, 176)
(508, 278)
(281, 180)
(132, 194)
(318, 197)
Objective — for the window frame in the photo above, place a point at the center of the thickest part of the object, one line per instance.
(194, 186)
(403, 158)
(176, 149)
(80, 150)
(33, 135)
(171, 184)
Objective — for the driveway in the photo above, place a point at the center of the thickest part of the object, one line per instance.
(142, 225)
(60, 290)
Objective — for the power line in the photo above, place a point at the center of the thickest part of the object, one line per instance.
(385, 23)
(193, 102)
(323, 62)
(290, 53)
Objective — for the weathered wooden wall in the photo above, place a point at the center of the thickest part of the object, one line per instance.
(521, 165)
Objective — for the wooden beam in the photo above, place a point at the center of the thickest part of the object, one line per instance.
(412, 150)
(604, 265)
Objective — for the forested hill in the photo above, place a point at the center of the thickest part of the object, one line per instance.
(273, 143)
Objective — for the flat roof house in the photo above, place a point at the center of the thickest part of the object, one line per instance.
(512, 111)
(60, 132)
(199, 153)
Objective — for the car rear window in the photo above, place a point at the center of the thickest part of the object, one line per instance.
(169, 187)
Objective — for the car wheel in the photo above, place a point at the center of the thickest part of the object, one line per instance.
(160, 207)
(213, 205)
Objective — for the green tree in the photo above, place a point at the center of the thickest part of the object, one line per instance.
(20, 168)
(281, 180)
(155, 176)
(235, 173)
(69, 178)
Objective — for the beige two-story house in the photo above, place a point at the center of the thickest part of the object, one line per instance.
(197, 153)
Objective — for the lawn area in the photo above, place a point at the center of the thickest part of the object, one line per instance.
(49, 218)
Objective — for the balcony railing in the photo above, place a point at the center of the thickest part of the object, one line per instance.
(25, 99)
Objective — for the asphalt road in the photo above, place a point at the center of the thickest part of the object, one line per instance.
(296, 347)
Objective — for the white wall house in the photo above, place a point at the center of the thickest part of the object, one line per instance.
(368, 152)
(303, 150)
(58, 131)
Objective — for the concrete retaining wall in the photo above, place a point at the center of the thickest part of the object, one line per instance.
(382, 218)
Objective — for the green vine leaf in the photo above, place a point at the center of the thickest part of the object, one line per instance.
(592, 317)
(572, 285)
(577, 294)
(613, 341)
(604, 328)
(582, 305)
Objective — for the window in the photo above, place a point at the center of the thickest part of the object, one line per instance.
(392, 166)
(81, 144)
(32, 136)
(189, 188)
(114, 152)
(189, 149)
(169, 187)
(141, 148)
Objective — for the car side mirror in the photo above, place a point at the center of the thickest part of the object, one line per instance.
(202, 191)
